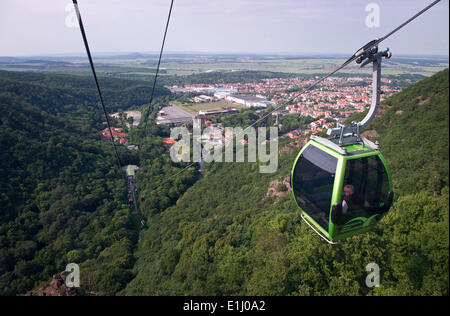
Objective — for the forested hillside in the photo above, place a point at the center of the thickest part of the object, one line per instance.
(227, 236)
(62, 197)
(232, 231)
(413, 130)
(77, 95)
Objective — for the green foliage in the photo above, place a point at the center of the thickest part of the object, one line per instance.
(62, 200)
(418, 231)
(281, 187)
(226, 77)
(76, 91)
(223, 237)
(413, 132)
(62, 196)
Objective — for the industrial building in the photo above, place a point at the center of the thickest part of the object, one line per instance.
(250, 100)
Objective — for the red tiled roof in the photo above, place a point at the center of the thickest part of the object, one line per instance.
(168, 140)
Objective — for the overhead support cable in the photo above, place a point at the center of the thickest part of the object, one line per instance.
(159, 62)
(362, 50)
(366, 47)
(88, 51)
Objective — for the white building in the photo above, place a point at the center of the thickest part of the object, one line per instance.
(222, 93)
(202, 98)
(249, 100)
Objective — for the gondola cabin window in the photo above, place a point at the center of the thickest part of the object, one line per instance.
(365, 189)
(313, 184)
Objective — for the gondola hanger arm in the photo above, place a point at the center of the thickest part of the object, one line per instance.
(365, 57)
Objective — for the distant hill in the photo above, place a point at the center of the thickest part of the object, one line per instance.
(118, 93)
(227, 236)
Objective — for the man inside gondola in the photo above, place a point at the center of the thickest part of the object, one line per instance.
(352, 201)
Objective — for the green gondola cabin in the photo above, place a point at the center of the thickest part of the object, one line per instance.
(343, 190)
(342, 184)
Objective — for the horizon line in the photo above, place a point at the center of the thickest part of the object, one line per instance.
(299, 54)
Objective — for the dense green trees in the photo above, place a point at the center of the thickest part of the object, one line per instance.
(77, 94)
(223, 237)
(225, 77)
(63, 200)
(412, 129)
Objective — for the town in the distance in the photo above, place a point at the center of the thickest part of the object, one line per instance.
(330, 103)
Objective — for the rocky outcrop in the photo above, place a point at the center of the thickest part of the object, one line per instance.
(57, 287)
(277, 189)
(293, 145)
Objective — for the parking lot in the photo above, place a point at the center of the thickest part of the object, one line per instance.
(173, 115)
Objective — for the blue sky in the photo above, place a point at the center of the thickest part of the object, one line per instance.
(30, 27)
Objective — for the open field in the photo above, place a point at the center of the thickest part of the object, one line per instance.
(395, 66)
(142, 66)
